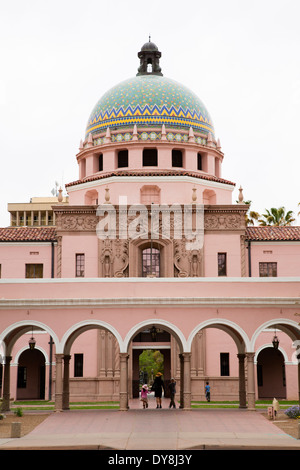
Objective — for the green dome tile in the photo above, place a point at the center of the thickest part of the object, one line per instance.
(149, 101)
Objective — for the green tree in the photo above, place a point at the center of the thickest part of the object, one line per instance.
(151, 362)
(277, 217)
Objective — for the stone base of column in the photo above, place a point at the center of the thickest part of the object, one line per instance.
(58, 402)
(186, 401)
(123, 402)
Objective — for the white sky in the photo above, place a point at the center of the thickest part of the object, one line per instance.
(241, 58)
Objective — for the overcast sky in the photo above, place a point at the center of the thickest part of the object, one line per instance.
(242, 59)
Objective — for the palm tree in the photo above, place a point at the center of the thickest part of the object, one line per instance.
(277, 217)
(251, 216)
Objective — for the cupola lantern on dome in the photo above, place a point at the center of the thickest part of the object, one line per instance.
(149, 56)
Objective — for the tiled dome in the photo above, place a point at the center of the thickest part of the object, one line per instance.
(149, 100)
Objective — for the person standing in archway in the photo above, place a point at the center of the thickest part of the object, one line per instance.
(157, 387)
(172, 388)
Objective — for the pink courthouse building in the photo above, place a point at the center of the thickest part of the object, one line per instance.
(147, 251)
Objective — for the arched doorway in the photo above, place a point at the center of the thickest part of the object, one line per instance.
(156, 340)
(31, 375)
(271, 380)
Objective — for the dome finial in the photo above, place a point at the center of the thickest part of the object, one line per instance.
(149, 56)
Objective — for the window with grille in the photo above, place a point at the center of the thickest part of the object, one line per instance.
(79, 265)
(267, 269)
(222, 264)
(151, 262)
(33, 271)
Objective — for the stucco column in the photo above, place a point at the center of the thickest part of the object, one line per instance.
(66, 384)
(124, 381)
(186, 381)
(58, 382)
(181, 379)
(250, 381)
(298, 357)
(242, 381)
(6, 385)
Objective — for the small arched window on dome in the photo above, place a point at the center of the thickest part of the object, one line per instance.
(100, 162)
(177, 160)
(149, 65)
(151, 262)
(150, 157)
(199, 162)
(122, 159)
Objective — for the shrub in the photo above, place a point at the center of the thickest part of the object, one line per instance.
(18, 412)
(293, 412)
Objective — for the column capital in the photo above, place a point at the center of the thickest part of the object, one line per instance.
(250, 356)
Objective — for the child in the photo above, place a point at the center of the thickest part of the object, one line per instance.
(144, 396)
(207, 391)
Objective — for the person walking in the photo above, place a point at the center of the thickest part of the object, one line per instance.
(207, 391)
(157, 387)
(144, 395)
(172, 388)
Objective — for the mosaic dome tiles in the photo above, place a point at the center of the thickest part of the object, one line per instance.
(149, 100)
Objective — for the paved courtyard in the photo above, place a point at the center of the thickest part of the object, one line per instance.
(155, 429)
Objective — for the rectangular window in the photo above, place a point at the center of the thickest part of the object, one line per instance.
(33, 271)
(22, 377)
(224, 364)
(267, 269)
(222, 264)
(78, 365)
(80, 265)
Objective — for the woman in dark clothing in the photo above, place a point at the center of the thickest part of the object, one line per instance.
(158, 386)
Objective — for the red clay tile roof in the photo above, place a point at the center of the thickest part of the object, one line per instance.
(150, 173)
(269, 233)
(27, 234)
(40, 234)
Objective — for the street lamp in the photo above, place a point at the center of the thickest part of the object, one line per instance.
(275, 341)
(153, 332)
(32, 342)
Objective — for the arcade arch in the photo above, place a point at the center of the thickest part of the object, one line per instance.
(8, 339)
(241, 341)
(271, 364)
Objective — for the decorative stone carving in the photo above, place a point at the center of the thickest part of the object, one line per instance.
(76, 220)
(219, 219)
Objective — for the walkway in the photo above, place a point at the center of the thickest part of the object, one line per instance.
(153, 429)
